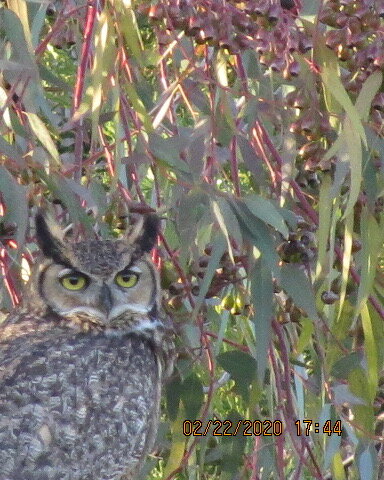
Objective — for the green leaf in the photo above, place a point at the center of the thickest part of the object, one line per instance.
(251, 159)
(342, 368)
(257, 232)
(173, 391)
(367, 460)
(16, 207)
(267, 212)
(364, 415)
(372, 236)
(196, 96)
(224, 123)
(17, 31)
(130, 31)
(62, 189)
(105, 56)
(262, 300)
(10, 151)
(192, 208)
(42, 133)
(168, 150)
(355, 157)
(347, 258)
(138, 106)
(325, 218)
(227, 221)
(307, 330)
(338, 469)
(298, 286)
(367, 93)
(332, 83)
(178, 441)
(192, 396)
(221, 68)
(371, 351)
(242, 368)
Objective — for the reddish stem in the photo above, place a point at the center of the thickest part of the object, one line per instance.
(85, 62)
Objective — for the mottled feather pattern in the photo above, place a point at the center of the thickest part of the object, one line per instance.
(103, 388)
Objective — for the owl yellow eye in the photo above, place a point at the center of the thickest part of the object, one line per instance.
(126, 280)
(74, 281)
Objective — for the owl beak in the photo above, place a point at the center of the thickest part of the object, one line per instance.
(106, 299)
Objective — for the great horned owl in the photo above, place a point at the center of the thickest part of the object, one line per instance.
(83, 360)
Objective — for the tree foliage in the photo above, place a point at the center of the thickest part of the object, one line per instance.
(254, 129)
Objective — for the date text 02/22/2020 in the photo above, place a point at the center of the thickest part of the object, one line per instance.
(198, 428)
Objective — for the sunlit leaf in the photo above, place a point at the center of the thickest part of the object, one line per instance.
(371, 348)
(368, 91)
(178, 441)
(42, 133)
(334, 86)
(372, 238)
(227, 221)
(266, 211)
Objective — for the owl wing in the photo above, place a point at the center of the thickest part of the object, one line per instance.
(75, 406)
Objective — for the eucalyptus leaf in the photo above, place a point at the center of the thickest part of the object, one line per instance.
(242, 368)
(262, 300)
(16, 207)
(192, 396)
(298, 286)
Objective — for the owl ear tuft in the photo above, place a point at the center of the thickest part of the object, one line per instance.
(145, 232)
(49, 237)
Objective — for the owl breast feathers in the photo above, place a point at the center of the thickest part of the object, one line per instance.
(83, 360)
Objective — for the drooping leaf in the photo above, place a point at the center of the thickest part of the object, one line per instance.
(367, 93)
(262, 300)
(367, 460)
(251, 159)
(227, 221)
(371, 349)
(10, 151)
(307, 329)
(334, 86)
(363, 413)
(257, 232)
(129, 28)
(372, 238)
(42, 133)
(298, 286)
(325, 217)
(345, 365)
(167, 150)
(355, 156)
(347, 258)
(242, 368)
(192, 208)
(178, 441)
(192, 396)
(267, 212)
(16, 207)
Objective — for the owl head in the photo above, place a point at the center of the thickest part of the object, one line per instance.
(104, 283)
